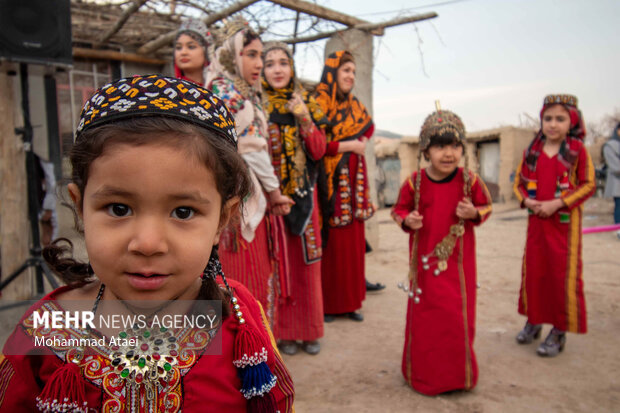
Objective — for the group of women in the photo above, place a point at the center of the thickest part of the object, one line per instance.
(299, 247)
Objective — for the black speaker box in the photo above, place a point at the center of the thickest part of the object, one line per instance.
(36, 31)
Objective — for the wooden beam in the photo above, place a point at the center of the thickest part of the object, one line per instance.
(397, 22)
(167, 38)
(135, 5)
(114, 55)
(319, 11)
(366, 27)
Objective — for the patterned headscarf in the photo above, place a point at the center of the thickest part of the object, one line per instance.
(226, 68)
(348, 118)
(569, 148)
(297, 173)
(156, 95)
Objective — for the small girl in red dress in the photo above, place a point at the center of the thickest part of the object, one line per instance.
(439, 207)
(156, 176)
(553, 181)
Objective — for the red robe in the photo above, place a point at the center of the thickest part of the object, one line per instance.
(343, 264)
(300, 314)
(439, 336)
(551, 283)
(201, 382)
(259, 265)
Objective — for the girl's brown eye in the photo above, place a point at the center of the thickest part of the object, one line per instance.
(183, 213)
(118, 210)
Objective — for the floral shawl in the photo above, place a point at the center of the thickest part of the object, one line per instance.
(225, 80)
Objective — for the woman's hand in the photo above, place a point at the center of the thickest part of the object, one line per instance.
(280, 204)
(357, 146)
(297, 107)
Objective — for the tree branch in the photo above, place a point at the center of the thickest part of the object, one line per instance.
(209, 20)
(319, 11)
(135, 5)
(366, 27)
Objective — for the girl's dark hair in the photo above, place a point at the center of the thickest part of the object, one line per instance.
(249, 36)
(215, 152)
(447, 138)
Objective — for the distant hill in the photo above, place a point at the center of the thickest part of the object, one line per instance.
(387, 134)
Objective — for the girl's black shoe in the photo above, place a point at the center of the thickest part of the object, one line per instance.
(529, 333)
(553, 344)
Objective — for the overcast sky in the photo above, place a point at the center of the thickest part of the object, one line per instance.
(487, 60)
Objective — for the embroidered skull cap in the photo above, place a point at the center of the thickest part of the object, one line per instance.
(440, 123)
(157, 95)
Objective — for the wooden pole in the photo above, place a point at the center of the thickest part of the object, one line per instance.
(365, 27)
(167, 38)
(14, 232)
(114, 55)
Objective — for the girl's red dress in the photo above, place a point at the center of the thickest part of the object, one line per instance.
(551, 283)
(439, 337)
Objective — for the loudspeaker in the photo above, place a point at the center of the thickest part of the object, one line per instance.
(36, 31)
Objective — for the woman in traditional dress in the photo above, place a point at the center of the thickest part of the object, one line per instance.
(297, 144)
(345, 203)
(191, 52)
(254, 251)
(554, 179)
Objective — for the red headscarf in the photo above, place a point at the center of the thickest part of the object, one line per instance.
(571, 146)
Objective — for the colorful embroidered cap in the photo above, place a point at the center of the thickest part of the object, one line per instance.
(157, 95)
(561, 99)
(577, 124)
(440, 123)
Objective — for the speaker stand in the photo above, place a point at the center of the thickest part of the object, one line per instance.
(35, 260)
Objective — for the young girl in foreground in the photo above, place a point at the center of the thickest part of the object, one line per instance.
(156, 176)
(439, 207)
(553, 181)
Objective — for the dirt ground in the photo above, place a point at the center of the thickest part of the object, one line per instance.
(358, 369)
